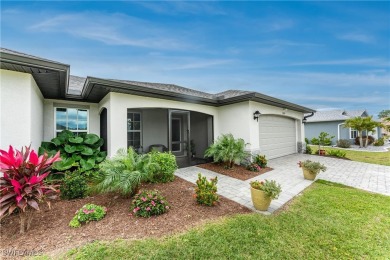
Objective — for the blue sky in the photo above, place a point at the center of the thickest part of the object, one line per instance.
(318, 54)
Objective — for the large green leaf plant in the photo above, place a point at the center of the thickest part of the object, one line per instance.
(82, 151)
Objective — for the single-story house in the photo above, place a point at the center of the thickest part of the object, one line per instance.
(39, 98)
(332, 122)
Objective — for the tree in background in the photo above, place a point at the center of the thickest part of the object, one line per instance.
(356, 123)
(370, 126)
(384, 114)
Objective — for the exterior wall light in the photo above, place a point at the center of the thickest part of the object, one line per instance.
(256, 115)
(304, 120)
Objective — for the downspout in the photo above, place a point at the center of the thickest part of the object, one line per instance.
(304, 120)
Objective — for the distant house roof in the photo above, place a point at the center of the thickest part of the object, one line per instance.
(92, 89)
(336, 115)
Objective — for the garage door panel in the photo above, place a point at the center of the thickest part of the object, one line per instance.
(277, 136)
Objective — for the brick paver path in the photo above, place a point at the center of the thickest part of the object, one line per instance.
(370, 177)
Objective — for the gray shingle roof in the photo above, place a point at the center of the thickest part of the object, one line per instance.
(76, 85)
(335, 115)
(5, 50)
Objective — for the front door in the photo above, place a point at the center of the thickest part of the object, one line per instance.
(179, 136)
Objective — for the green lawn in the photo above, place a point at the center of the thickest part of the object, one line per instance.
(329, 221)
(382, 158)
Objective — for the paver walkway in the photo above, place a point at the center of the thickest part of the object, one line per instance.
(370, 177)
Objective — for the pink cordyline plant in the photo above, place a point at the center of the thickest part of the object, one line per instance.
(22, 185)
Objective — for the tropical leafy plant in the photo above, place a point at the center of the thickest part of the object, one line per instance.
(149, 203)
(379, 142)
(73, 186)
(82, 151)
(89, 212)
(270, 188)
(22, 182)
(123, 173)
(370, 126)
(164, 166)
(206, 191)
(227, 150)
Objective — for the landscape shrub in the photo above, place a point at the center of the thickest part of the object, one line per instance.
(315, 141)
(89, 212)
(165, 167)
(379, 142)
(228, 150)
(82, 151)
(370, 140)
(206, 191)
(253, 167)
(308, 149)
(337, 153)
(343, 143)
(73, 186)
(123, 173)
(261, 160)
(149, 203)
(307, 141)
(22, 182)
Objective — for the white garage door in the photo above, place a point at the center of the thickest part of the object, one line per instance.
(277, 136)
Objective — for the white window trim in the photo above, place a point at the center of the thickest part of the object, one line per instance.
(350, 133)
(55, 122)
(135, 131)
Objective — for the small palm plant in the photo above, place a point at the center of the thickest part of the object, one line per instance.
(123, 173)
(227, 150)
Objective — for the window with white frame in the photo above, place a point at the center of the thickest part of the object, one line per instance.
(134, 129)
(72, 119)
(353, 133)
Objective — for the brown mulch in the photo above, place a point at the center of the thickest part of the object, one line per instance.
(50, 233)
(238, 171)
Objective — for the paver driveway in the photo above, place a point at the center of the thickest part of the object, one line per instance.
(370, 177)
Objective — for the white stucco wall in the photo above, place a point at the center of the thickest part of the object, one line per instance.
(49, 116)
(21, 117)
(235, 119)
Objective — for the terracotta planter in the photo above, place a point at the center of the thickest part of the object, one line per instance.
(322, 152)
(308, 175)
(260, 200)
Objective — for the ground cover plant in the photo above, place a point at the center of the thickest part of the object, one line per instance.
(382, 158)
(329, 221)
(89, 212)
(149, 203)
(336, 153)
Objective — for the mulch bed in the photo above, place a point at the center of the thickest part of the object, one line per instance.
(50, 233)
(238, 171)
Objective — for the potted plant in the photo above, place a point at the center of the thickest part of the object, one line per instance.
(311, 169)
(263, 192)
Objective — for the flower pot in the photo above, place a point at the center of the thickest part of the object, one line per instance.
(260, 200)
(322, 152)
(308, 175)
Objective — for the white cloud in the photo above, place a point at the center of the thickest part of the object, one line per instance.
(114, 29)
(357, 37)
(363, 61)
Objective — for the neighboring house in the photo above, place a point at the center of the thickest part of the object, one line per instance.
(39, 98)
(385, 130)
(332, 122)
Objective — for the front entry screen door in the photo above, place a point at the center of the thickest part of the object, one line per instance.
(179, 132)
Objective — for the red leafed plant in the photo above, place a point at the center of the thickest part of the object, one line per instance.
(21, 181)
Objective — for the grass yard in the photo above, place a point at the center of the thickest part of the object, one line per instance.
(329, 221)
(382, 158)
